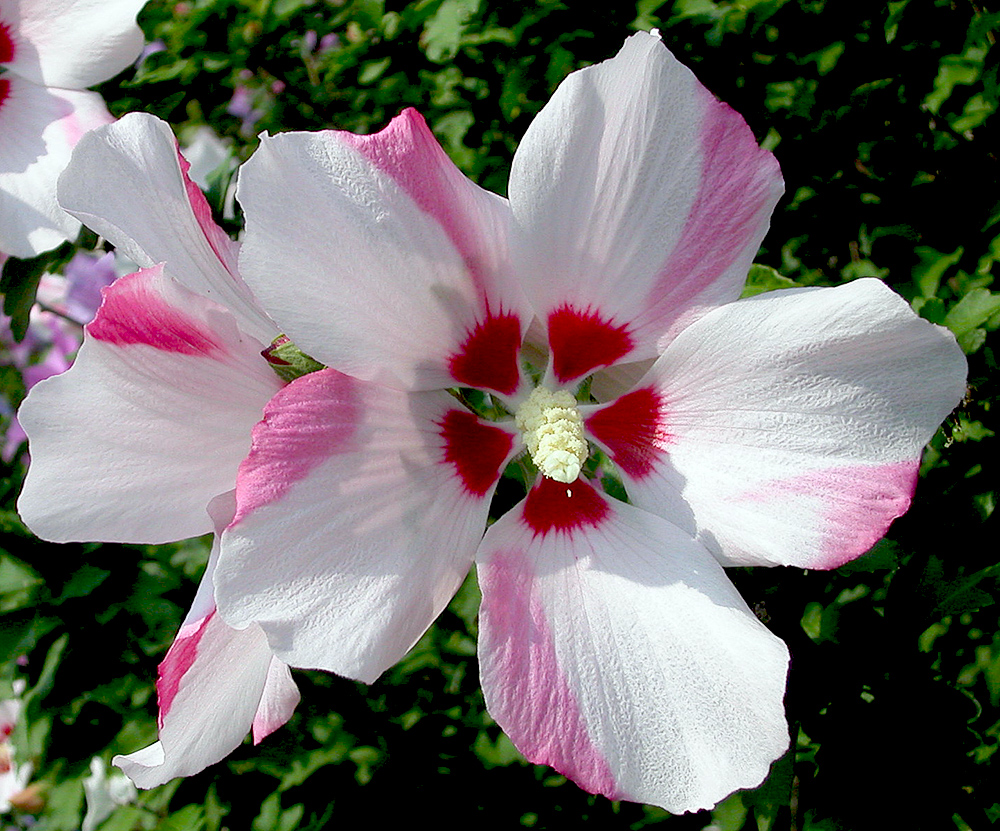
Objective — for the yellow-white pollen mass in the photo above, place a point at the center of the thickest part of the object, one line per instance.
(553, 431)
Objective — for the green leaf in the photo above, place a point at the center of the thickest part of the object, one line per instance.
(930, 308)
(84, 580)
(978, 306)
(63, 807)
(21, 630)
(18, 583)
(775, 792)
(272, 818)
(967, 316)
(443, 32)
(10, 523)
(127, 818)
(933, 264)
(965, 430)
(883, 556)
(764, 278)
(48, 674)
(191, 818)
(730, 814)
(499, 753)
(960, 594)
(19, 285)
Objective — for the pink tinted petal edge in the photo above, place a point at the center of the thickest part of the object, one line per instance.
(556, 733)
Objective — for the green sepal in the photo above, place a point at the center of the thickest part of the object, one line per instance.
(288, 361)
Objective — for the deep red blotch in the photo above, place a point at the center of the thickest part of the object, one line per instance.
(6, 46)
(487, 358)
(582, 341)
(632, 430)
(476, 450)
(4, 91)
(557, 506)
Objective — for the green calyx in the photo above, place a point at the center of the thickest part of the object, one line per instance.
(288, 361)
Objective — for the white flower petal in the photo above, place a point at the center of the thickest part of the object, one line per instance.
(70, 43)
(215, 684)
(104, 793)
(351, 239)
(38, 129)
(128, 183)
(613, 648)
(639, 202)
(359, 510)
(149, 424)
(787, 428)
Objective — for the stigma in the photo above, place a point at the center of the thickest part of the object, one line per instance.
(552, 428)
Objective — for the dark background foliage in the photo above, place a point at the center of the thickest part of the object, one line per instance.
(883, 117)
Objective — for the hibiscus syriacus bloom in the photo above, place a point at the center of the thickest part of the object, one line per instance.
(50, 51)
(784, 428)
(172, 364)
(780, 429)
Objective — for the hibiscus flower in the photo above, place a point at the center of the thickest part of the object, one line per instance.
(173, 361)
(780, 429)
(50, 51)
(587, 322)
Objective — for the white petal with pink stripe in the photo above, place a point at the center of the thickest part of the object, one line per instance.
(129, 183)
(151, 421)
(639, 202)
(50, 51)
(215, 684)
(351, 240)
(787, 428)
(359, 510)
(613, 648)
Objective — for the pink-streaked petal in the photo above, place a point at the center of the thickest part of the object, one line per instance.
(788, 426)
(38, 129)
(151, 421)
(215, 685)
(69, 43)
(639, 200)
(555, 506)
(224, 674)
(357, 519)
(617, 651)
(352, 240)
(488, 356)
(128, 183)
(277, 702)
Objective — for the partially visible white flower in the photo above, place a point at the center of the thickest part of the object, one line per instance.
(104, 793)
(207, 154)
(10, 710)
(50, 52)
(13, 777)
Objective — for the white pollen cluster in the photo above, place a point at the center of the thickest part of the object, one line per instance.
(553, 431)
